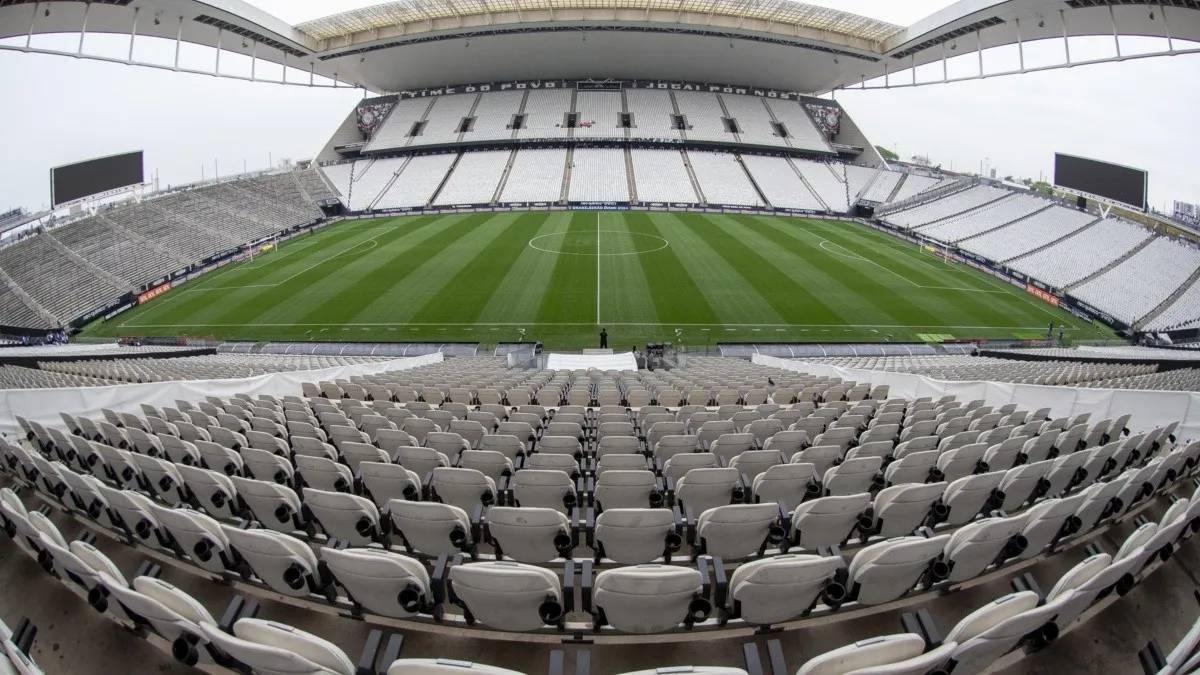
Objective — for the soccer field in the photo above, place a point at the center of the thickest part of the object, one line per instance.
(695, 279)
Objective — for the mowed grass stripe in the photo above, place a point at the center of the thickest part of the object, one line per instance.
(863, 296)
(673, 292)
(381, 295)
(465, 296)
(314, 292)
(519, 295)
(732, 300)
(789, 299)
(927, 293)
(235, 299)
(626, 296)
(571, 295)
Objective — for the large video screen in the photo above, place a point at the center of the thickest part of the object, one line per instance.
(75, 181)
(1112, 181)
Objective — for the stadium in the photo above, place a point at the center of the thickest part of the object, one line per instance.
(597, 336)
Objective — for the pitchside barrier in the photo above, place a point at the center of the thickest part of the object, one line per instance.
(1149, 409)
(44, 405)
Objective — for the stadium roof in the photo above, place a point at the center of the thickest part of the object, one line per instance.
(415, 44)
(783, 12)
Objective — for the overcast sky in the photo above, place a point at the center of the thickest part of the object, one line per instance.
(1142, 113)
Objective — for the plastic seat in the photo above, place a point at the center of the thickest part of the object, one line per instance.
(274, 506)
(431, 528)
(284, 563)
(976, 546)
(703, 489)
(636, 536)
(344, 516)
(272, 648)
(737, 531)
(967, 497)
(885, 571)
(786, 485)
(900, 509)
(650, 598)
(196, 536)
(544, 488)
(902, 654)
(623, 489)
(995, 629)
(853, 476)
(464, 488)
(530, 534)
(381, 582)
(827, 521)
(508, 595)
(784, 587)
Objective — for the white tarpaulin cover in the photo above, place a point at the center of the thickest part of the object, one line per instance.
(1150, 409)
(44, 405)
(624, 361)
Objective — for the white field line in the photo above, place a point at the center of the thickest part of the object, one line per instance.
(597, 268)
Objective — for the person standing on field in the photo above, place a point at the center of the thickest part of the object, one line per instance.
(603, 338)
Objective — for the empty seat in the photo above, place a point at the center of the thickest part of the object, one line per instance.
(508, 595)
(827, 521)
(636, 536)
(886, 571)
(649, 598)
(431, 528)
(269, 647)
(284, 563)
(902, 654)
(529, 534)
(783, 587)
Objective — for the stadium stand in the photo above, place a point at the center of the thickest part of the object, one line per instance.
(1083, 254)
(208, 367)
(598, 115)
(18, 377)
(445, 119)
(598, 175)
(802, 133)
(662, 177)
(881, 189)
(966, 368)
(722, 179)
(985, 218)
(913, 185)
(652, 114)
(941, 209)
(753, 120)
(546, 114)
(494, 116)
(1028, 234)
(1183, 313)
(396, 130)
(1122, 292)
(91, 263)
(828, 183)
(703, 116)
(475, 178)
(780, 183)
(417, 182)
(536, 176)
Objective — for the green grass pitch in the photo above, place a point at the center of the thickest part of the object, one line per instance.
(695, 279)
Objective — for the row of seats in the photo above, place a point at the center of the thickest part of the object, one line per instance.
(971, 368)
(204, 367)
(516, 596)
(489, 116)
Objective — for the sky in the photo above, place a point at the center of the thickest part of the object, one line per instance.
(1140, 113)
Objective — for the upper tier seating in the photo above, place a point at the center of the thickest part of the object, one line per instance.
(753, 120)
(206, 367)
(1082, 255)
(662, 177)
(546, 114)
(802, 133)
(396, 129)
(599, 115)
(494, 116)
(1077, 373)
(948, 206)
(1124, 291)
(722, 179)
(651, 111)
(704, 117)
(598, 175)
(445, 119)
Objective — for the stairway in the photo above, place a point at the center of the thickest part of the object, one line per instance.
(749, 176)
(896, 190)
(1072, 233)
(390, 184)
(87, 264)
(630, 178)
(445, 179)
(520, 111)
(470, 113)
(28, 299)
(687, 164)
(1162, 306)
(512, 158)
(1112, 264)
(565, 193)
(816, 195)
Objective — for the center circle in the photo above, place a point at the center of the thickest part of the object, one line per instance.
(585, 243)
